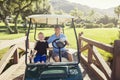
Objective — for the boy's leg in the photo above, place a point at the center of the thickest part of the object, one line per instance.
(37, 59)
(43, 59)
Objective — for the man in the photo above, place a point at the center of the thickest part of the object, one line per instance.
(58, 35)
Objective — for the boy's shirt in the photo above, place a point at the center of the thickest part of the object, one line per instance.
(53, 37)
(41, 48)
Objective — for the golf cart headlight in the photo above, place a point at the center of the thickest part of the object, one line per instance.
(73, 71)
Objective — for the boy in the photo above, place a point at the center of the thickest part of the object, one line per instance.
(40, 49)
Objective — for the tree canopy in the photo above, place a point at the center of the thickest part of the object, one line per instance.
(22, 8)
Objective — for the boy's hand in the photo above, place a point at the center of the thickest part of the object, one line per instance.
(31, 56)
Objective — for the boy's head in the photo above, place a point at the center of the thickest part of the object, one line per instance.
(40, 36)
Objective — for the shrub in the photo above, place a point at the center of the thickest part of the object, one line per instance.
(79, 25)
(109, 25)
(92, 25)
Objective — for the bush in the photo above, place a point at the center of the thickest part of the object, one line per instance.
(92, 25)
(79, 25)
(109, 25)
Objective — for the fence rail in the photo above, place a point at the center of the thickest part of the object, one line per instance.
(95, 61)
(12, 56)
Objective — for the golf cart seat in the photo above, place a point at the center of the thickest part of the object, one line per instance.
(46, 38)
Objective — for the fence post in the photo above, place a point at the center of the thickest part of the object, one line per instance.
(116, 61)
(80, 41)
(16, 56)
(90, 54)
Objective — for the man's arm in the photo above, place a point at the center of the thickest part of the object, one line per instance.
(65, 38)
(67, 43)
(50, 40)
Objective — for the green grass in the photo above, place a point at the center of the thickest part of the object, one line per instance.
(104, 35)
(3, 51)
(5, 36)
(11, 24)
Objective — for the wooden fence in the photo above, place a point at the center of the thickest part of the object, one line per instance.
(95, 62)
(12, 56)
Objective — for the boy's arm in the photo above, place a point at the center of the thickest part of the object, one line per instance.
(34, 51)
(32, 54)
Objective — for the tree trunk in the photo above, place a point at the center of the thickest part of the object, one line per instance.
(7, 25)
(15, 27)
(15, 23)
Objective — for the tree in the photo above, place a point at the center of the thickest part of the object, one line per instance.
(12, 7)
(4, 14)
(91, 13)
(107, 20)
(21, 8)
(104, 19)
(17, 7)
(59, 12)
(91, 16)
(117, 12)
(76, 12)
(42, 7)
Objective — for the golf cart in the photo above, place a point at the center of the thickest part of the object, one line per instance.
(52, 70)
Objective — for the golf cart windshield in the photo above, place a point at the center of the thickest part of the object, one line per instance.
(55, 20)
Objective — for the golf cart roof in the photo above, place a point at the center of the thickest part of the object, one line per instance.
(49, 18)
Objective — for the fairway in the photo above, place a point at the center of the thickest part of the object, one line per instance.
(104, 35)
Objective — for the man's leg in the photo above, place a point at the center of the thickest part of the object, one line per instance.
(68, 56)
(55, 57)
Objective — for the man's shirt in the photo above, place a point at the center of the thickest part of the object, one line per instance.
(53, 37)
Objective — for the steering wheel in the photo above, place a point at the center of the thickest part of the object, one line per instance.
(58, 43)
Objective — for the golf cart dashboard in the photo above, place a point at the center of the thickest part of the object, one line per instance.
(53, 73)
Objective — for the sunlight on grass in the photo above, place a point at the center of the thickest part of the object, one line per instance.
(102, 35)
(5, 36)
(3, 51)
(11, 24)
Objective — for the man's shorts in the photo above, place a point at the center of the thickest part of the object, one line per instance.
(39, 58)
(63, 54)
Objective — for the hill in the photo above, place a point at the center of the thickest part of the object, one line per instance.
(67, 6)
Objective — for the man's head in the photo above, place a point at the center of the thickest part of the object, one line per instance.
(57, 30)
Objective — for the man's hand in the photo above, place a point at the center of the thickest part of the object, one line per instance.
(67, 43)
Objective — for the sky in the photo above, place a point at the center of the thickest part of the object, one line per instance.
(101, 4)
